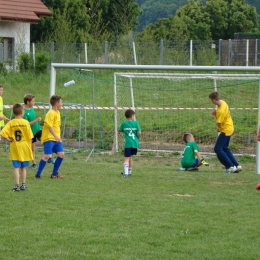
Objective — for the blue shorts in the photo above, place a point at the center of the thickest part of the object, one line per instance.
(195, 164)
(51, 147)
(18, 164)
(130, 151)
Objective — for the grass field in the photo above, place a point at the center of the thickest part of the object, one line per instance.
(158, 213)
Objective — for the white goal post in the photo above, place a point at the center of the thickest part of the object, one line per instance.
(244, 69)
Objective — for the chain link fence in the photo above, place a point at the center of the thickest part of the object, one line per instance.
(238, 52)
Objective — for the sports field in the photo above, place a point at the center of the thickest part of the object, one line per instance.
(157, 213)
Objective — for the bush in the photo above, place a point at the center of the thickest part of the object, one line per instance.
(24, 62)
(41, 62)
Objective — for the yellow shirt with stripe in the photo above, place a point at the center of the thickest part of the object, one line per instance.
(52, 119)
(223, 117)
(20, 131)
(2, 122)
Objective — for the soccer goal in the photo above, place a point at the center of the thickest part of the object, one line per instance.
(168, 104)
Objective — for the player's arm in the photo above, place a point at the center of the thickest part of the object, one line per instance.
(198, 155)
(4, 118)
(139, 134)
(38, 119)
(58, 139)
(214, 114)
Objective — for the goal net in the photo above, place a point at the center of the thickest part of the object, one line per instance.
(169, 104)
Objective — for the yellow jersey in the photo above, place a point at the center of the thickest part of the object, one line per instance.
(52, 119)
(223, 117)
(20, 131)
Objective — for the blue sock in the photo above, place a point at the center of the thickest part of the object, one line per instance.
(57, 164)
(41, 167)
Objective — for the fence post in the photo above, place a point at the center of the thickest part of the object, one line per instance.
(52, 51)
(256, 51)
(219, 51)
(161, 52)
(247, 51)
(229, 52)
(1, 52)
(106, 53)
(86, 52)
(33, 52)
(190, 52)
(134, 52)
(13, 57)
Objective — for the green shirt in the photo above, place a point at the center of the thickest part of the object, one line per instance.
(29, 115)
(189, 156)
(130, 128)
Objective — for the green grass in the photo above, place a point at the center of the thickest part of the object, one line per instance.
(158, 213)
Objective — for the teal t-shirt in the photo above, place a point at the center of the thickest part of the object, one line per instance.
(188, 157)
(130, 128)
(29, 115)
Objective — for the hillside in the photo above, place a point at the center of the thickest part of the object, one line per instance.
(154, 9)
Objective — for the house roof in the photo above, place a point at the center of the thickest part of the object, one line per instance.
(27, 11)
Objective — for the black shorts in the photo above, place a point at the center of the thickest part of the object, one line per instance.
(37, 136)
(130, 151)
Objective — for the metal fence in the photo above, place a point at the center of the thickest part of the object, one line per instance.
(238, 52)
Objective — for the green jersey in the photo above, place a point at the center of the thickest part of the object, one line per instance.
(188, 157)
(29, 115)
(130, 128)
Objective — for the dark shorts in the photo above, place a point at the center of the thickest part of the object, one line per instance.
(130, 151)
(52, 147)
(37, 136)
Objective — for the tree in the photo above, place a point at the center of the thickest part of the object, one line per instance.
(217, 19)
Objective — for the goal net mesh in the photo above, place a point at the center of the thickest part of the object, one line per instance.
(169, 104)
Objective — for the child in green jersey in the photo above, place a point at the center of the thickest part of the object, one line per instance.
(130, 127)
(191, 158)
(3, 118)
(29, 115)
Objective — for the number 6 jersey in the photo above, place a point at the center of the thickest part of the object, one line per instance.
(20, 131)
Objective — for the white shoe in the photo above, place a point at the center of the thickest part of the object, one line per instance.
(231, 169)
(239, 168)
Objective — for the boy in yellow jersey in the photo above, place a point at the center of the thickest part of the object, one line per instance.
(3, 118)
(225, 127)
(18, 132)
(51, 138)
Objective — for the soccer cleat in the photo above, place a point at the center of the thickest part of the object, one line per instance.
(203, 162)
(34, 166)
(23, 187)
(239, 168)
(258, 186)
(56, 176)
(182, 169)
(125, 175)
(37, 177)
(231, 169)
(16, 188)
(50, 161)
(122, 173)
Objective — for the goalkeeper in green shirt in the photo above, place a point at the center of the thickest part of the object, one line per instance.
(191, 158)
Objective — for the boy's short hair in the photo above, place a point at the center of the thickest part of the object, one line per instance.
(129, 113)
(1, 86)
(17, 109)
(28, 98)
(54, 99)
(214, 95)
(186, 137)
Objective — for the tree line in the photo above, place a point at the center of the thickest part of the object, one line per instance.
(102, 20)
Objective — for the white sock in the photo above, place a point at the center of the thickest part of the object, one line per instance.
(129, 170)
(126, 168)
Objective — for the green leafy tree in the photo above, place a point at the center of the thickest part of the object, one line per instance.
(218, 19)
